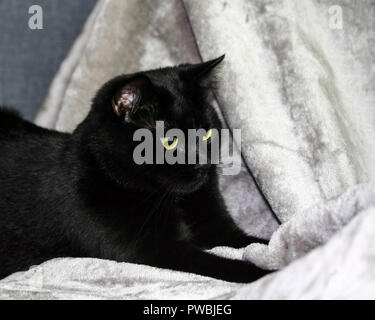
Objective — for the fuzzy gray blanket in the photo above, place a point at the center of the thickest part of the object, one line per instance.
(300, 86)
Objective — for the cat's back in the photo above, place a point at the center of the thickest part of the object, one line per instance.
(19, 136)
(31, 165)
(33, 179)
(26, 151)
(11, 121)
(12, 125)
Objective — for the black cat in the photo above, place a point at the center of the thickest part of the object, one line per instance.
(82, 195)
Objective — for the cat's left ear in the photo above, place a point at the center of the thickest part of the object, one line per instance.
(133, 99)
(201, 70)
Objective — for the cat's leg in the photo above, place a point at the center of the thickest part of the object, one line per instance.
(168, 253)
(158, 247)
(211, 223)
(221, 230)
(190, 259)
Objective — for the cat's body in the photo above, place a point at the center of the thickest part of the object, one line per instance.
(81, 194)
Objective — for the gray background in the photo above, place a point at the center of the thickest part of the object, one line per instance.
(30, 58)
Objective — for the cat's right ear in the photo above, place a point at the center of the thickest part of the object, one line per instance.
(131, 97)
(201, 70)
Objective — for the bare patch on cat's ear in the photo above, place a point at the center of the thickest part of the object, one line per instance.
(125, 100)
(133, 101)
(128, 98)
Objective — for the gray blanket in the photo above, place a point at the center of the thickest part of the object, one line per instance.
(340, 269)
(301, 91)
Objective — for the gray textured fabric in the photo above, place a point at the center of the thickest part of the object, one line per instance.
(302, 93)
(29, 58)
(311, 228)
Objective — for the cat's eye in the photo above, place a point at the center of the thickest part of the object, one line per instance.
(207, 136)
(169, 143)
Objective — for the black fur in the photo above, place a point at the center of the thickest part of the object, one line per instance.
(81, 194)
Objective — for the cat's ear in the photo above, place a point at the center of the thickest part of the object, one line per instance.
(201, 70)
(133, 99)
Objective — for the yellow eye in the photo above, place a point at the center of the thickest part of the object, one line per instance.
(169, 143)
(208, 135)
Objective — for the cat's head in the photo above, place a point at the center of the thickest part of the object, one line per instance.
(175, 95)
